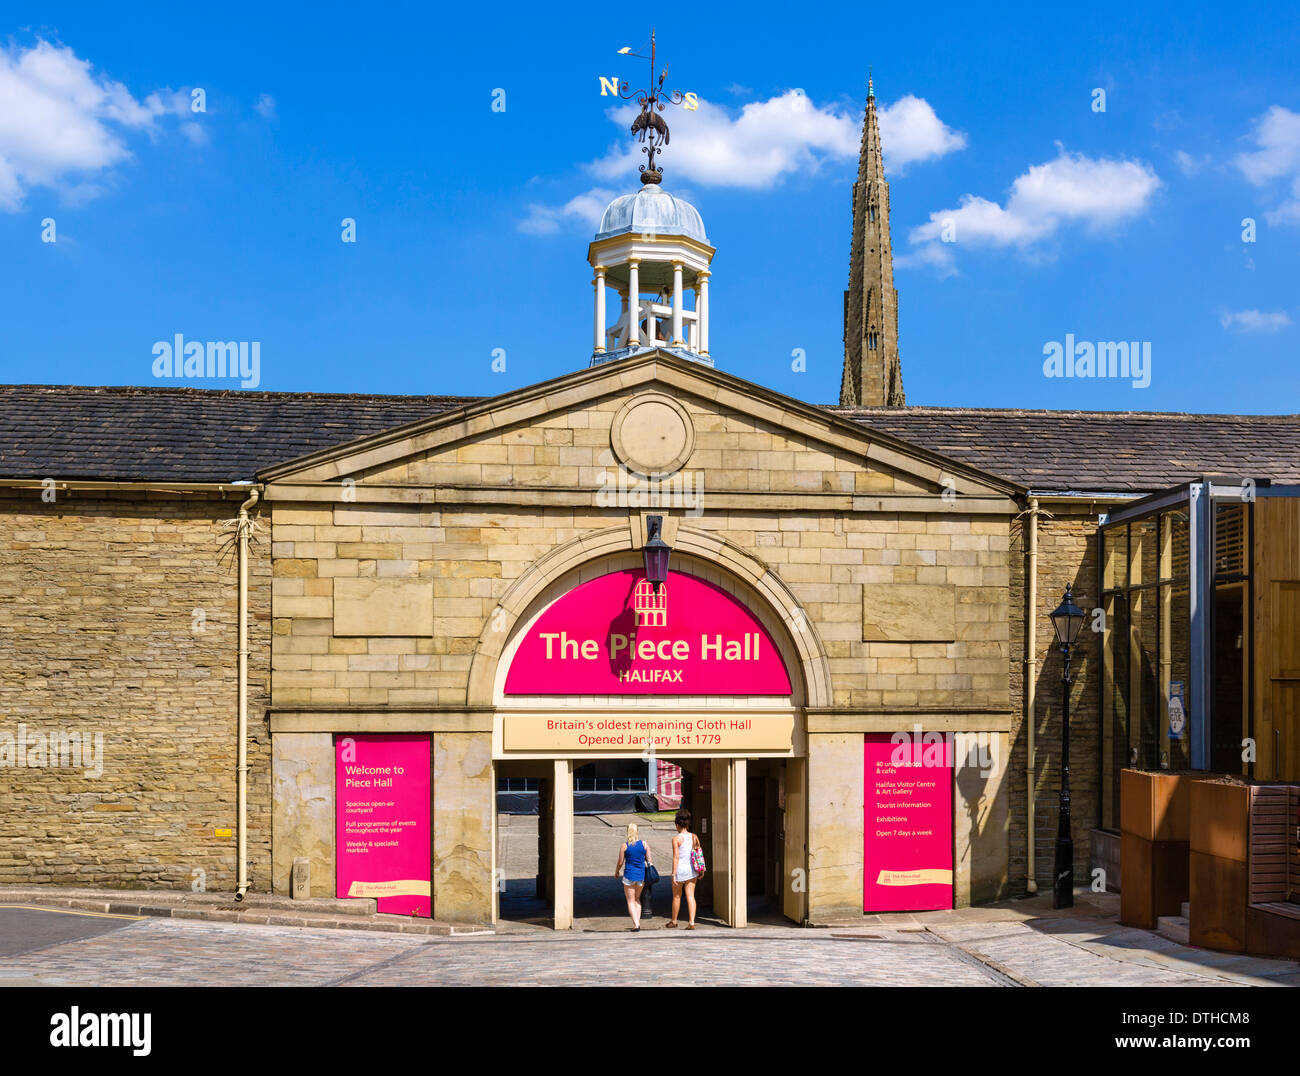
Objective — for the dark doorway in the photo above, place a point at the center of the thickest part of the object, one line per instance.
(765, 839)
(1229, 691)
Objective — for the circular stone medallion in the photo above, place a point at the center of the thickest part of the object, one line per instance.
(653, 435)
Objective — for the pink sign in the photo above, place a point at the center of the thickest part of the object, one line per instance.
(907, 822)
(669, 785)
(382, 805)
(616, 635)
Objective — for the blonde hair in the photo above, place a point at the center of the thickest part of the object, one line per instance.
(631, 832)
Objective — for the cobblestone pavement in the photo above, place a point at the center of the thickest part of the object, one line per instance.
(951, 951)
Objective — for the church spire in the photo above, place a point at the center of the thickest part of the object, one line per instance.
(873, 376)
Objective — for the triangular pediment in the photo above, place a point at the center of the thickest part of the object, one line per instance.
(562, 433)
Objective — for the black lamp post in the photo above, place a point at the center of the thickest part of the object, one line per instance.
(656, 553)
(1067, 620)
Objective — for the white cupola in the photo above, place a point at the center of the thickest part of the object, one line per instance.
(651, 248)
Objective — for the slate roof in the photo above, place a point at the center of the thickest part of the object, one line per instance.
(176, 434)
(1097, 451)
(183, 434)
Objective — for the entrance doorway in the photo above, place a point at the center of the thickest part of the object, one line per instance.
(560, 825)
(598, 900)
(525, 861)
(765, 840)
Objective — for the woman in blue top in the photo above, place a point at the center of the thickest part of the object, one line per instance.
(632, 860)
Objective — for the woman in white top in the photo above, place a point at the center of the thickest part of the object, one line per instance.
(684, 876)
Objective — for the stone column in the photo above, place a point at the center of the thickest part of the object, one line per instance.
(562, 815)
(302, 809)
(600, 308)
(464, 807)
(634, 299)
(720, 849)
(835, 793)
(795, 823)
(703, 316)
(739, 842)
(622, 312)
(694, 343)
(981, 822)
(677, 340)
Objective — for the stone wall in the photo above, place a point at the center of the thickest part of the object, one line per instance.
(383, 604)
(1066, 554)
(118, 618)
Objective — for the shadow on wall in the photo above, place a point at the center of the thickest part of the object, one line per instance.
(1067, 553)
(987, 841)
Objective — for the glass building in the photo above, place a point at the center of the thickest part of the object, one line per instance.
(1193, 581)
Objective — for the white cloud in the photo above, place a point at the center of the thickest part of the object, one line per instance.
(937, 256)
(61, 124)
(1191, 166)
(265, 106)
(585, 208)
(911, 131)
(765, 141)
(1255, 321)
(1072, 188)
(1276, 158)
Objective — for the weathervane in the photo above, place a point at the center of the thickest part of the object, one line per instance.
(650, 125)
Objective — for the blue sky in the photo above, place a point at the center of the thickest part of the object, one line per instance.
(472, 224)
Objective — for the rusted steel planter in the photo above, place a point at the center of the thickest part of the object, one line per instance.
(1155, 827)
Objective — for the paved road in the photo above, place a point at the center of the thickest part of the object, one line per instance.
(24, 928)
(170, 952)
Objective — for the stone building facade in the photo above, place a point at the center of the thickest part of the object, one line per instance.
(118, 620)
(392, 610)
(404, 546)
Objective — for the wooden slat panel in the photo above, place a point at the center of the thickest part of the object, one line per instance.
(1276, 595)
(1268, 876)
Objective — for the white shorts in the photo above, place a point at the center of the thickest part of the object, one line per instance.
(630, 884)
(689, 876)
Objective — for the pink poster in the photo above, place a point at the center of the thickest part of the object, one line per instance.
(907, 823)
(617, 635)
(669, 785)
(382, 807)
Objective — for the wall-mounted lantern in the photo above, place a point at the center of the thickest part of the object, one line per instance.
(656, 552)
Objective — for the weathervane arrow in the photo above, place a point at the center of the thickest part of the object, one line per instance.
(650, 127)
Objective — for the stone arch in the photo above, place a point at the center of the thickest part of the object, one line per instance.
(607, 548)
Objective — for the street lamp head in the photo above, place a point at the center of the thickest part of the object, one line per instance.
(656, 552)
(1067, 619)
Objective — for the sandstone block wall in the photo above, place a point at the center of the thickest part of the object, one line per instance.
(438, 572)
(99, 635)
(1066, 554)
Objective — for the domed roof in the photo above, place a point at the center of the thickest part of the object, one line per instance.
(653, 210)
